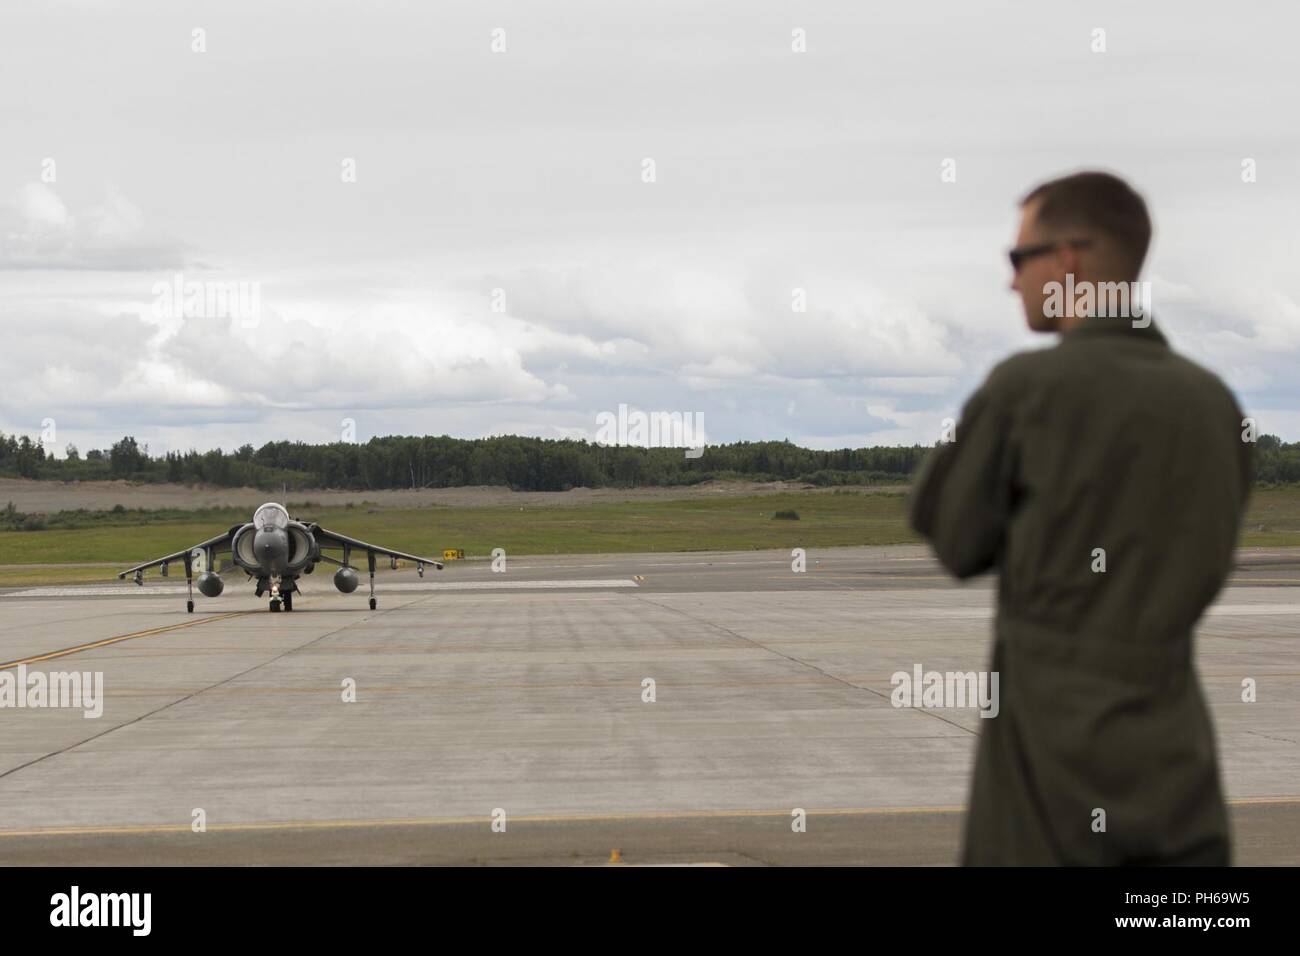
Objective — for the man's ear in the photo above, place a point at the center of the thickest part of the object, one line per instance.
(1070, 260)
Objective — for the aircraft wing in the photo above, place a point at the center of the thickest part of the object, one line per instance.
(215, 542)
(332, 539)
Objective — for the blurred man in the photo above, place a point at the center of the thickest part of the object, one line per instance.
(1105, 479)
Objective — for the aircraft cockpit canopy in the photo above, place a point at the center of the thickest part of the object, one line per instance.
(271, 516)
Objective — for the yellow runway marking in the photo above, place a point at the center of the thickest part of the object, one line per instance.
(117, 640)
(667, 816)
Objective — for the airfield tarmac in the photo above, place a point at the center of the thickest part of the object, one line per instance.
(522, 692)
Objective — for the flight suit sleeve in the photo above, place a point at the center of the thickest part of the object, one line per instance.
(962, 499)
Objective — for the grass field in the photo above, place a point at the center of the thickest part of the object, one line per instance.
(845, 517)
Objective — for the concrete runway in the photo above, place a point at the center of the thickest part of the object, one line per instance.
(522, 692)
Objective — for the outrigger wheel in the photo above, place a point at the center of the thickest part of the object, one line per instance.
(373, 604)
(189, 607)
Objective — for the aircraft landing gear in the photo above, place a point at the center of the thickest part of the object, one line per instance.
(373, 602)
(189, 607)
(275, 605)
(288, 600)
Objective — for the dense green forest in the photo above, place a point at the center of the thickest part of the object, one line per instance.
(523, 464)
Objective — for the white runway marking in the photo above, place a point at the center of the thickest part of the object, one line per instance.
(382, 589)
(1251, 610)
(499, 585)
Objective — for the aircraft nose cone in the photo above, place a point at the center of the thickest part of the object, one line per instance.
(272, 549)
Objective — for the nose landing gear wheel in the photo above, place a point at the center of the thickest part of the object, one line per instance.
(275, 605)
(288, 601)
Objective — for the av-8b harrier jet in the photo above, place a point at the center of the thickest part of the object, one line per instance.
(276, 550)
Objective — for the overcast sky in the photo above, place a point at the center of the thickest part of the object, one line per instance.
(129, 158)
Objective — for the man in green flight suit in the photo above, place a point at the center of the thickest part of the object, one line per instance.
(1105, 479)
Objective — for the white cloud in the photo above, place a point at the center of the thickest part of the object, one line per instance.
(817, 172)
(38, 231)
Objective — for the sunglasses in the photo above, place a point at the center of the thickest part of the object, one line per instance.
(1022, 254)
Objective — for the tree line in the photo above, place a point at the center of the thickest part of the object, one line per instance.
(523, 464)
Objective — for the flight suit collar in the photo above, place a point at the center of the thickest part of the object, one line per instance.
(1109, 325)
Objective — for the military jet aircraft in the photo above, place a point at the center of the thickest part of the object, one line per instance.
(276, 550)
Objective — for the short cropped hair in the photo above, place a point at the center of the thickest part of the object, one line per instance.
(1101, 203)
